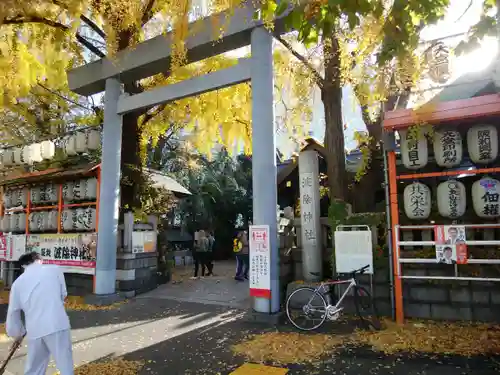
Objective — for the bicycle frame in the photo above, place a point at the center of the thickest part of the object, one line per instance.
(352, 283)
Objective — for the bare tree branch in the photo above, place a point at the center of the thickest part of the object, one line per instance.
(147, 13)
(317, 77)
(90, 46)
(93, 26)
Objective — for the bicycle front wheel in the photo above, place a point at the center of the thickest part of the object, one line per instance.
(306, 308)
(366, 309)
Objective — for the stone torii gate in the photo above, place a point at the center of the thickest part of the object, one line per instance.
(152, 57)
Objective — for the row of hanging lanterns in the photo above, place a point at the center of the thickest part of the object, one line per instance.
(79, 190)
(80, 219)
(482, 144)
(452, 200)
(77, 143)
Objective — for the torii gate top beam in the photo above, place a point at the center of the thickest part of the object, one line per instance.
(153, 56)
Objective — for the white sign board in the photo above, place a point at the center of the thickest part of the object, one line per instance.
(260, 261)
(143, 241)
(353, 250)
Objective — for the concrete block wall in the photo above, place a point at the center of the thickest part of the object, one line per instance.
(136, 273)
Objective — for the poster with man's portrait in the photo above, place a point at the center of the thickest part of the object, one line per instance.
(446, 254)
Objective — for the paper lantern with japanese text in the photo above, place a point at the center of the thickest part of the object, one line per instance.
(78, 190)
(5, 224)
(414, 150)
(485, 197)
(36, 222)
(8, 157)
(91, 188)
(448, 148)
(18, 155)
(417, 201)
(70, 145)
(19, 197)
(482, 143)
(36, 152)
(451, 199)
(86, 218)
(67, 220)
(67, 191)
(7, 198)
(51, 193)
(35, 194)
(21, 222)
(50, 220)
(14, 223)
(48, 150)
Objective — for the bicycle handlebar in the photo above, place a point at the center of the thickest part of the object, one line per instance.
(361, 270)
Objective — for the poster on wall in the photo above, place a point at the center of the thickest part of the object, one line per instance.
(143, 241)
(260, 261)
(451, 245)
(68, 249)
(3, 247)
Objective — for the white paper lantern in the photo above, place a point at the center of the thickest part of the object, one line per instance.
(67, 220)
(22, 222)
(48, 150)
(32, 221)
(448, 148)
(8, 157)
(78, 190)
(14, 222)
(5, 223)
(91, 189)
(81, 142)
(36, 152)
(18, 155)
(44, 215)
(482, 143)
(51, 221)
(80, 218)
(51, 193)
(417, 201)
(485, 197)
(451, 199)
(70, 145)
(7, 198)
(414, 151)
(93, 139)
(67, 191)
(26, 155)
(35, 195)
(90, 218)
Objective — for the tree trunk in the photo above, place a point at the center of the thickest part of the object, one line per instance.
(131, 163)
(331, 95)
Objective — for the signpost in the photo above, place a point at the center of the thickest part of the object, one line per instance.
(353, 248)
(260, 262)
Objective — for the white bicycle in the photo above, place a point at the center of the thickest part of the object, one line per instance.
(318, 304)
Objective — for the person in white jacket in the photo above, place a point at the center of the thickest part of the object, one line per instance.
(40, 292)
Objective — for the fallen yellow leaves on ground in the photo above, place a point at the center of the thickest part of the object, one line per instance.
(285, 348)
(76, 303)
(459, 338)
(3, 333)
(430, 337)
(115, 367)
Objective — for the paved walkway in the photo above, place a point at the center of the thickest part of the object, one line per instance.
(178, 337)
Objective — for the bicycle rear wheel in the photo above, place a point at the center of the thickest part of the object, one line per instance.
(304, 306)
(366, 309)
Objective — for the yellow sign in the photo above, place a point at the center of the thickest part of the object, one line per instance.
(255, 369)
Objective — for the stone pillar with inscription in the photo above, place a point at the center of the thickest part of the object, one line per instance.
(312, 259)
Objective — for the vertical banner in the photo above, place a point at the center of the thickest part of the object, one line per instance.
(451, 245)
(260, 261)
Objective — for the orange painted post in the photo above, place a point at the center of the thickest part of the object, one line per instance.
(393, 198)
(59, 209)
(28, 210)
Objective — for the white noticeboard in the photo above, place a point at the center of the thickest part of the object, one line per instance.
(260, 261)
(353, 250)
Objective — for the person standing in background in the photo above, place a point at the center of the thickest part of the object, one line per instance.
(245, 254)
(201, 254)
(40, 293)
(210, 255)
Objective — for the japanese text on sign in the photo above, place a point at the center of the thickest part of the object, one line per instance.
(307, 209)
(413, 155)
(77, 250)
(449, 145)
(260, 261)
(484, 142)
(418, 200)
